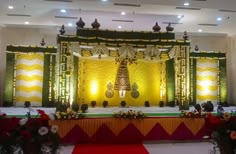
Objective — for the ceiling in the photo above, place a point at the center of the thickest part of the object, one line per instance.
(141, 15)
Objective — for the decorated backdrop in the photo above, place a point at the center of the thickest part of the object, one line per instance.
(29, 78)
(96, 74)
(112, 66)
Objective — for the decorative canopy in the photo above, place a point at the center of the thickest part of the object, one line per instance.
(120, 38)
(27, 49)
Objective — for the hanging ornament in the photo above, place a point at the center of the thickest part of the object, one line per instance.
(62, 30)
(42, 42)
(156, 27)
(80, 23)
(95, 24)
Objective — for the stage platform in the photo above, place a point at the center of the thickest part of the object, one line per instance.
(99, 126)
(107, 112)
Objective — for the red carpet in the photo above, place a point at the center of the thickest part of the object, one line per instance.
(109, 149)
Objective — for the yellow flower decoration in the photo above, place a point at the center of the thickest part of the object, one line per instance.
(227, 116)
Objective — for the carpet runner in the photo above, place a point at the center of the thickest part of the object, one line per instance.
(109, 149)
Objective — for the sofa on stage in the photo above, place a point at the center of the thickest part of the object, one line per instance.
(113, 130)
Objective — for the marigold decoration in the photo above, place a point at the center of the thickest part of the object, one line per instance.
(226, 116)
(130, 114)
(68, 114)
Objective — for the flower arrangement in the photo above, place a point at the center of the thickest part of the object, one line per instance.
(192, 114)
(223, 128)
(130, 114)
(68, 114)
(28, 135)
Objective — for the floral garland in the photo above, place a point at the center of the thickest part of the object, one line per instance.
(192, 114)
(68, 114)
(130, 114)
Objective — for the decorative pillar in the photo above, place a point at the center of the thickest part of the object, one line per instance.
(218, 81)
(163, 81)
(182, 76)
(14, 82)
(192, 81)
(65, 74)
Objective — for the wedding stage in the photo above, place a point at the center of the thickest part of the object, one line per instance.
(153, 111)
(98, 125)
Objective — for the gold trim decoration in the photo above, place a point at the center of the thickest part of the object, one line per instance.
(134, 92)
(14, 82)
(163, 81)
(109, 92)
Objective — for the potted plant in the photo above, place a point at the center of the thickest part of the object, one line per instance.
(105, 103)
(123, 103)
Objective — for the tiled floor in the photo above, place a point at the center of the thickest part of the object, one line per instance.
(167, 148)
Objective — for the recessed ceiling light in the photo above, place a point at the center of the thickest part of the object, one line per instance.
(63, 11)
(119, 27)
(104, 0)
(70, 24)
(186, 4)
(200, 30)
(122, 13)
(219, 19)
(26, 22)
(180, 16)
(10, 7)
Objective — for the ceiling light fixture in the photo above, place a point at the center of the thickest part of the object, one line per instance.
(119, 27)
(200, 30)
(63, 11)
(104, 0)
(186, 4)
(26, 22)
(10, 7)
(219, 19)
(180, 16)
(123, 13)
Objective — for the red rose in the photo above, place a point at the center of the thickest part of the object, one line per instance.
(40, 112)
(44, 116)
(214, 120)
(5, 135)
(233, 135)
(25, 134)
(189, 114)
